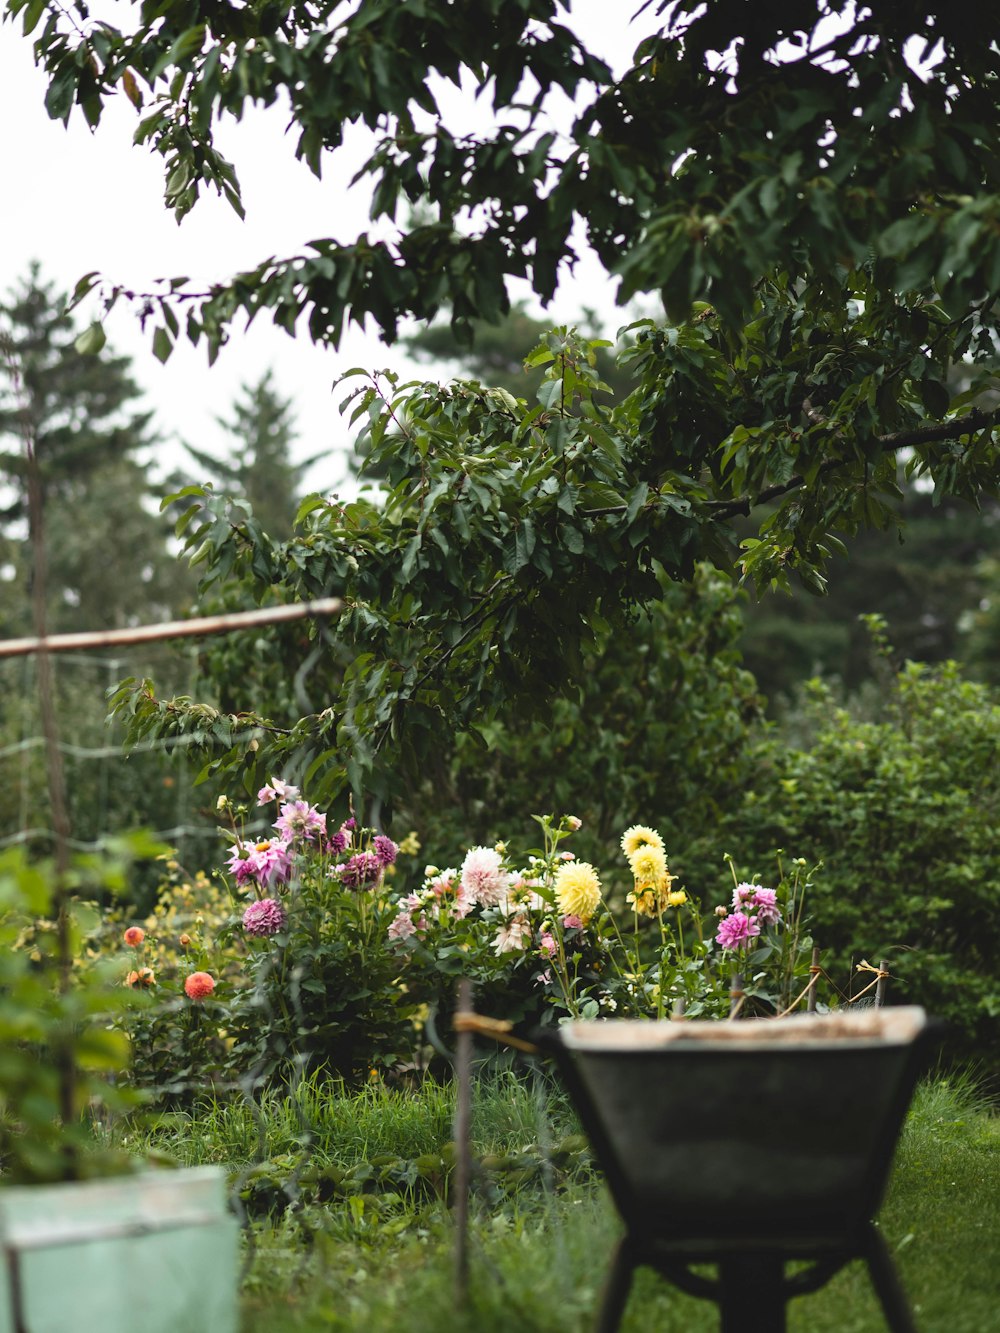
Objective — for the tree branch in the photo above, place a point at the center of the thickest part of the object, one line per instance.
(903, 439)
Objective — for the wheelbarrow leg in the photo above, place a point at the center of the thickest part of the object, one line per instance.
(752, 1294)
(617, 1285)
(888, 1288)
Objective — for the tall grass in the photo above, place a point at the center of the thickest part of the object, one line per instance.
(376, 1262)
(328, 1123)
(539, 1258)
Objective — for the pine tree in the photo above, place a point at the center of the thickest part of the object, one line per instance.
(107, 555)
(259, 468)
(107, 564)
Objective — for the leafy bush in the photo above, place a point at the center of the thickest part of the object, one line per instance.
(289, 967)
(903, 811)
(59, 1056)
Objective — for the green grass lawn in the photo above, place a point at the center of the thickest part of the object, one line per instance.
(380, 1256)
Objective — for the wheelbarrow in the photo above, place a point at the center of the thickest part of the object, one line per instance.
(747, 1146)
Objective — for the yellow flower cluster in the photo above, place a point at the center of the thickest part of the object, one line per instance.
(652, 893)
(578, 889)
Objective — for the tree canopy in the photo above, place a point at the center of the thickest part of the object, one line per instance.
(813, 192)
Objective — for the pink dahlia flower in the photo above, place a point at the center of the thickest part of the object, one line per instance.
(385, 849)
(272, 863)
(743, 896)
(765, 902)
(240, 866)
(300, 820)
(361, 870)
(401, 927)
(266, 917)
(736, 930)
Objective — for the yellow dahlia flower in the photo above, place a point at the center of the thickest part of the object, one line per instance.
(653, 892)
(578, 890)
(640, 836)
(649, 866)
(643, 901)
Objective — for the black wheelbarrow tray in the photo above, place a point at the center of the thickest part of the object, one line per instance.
(746, 1145)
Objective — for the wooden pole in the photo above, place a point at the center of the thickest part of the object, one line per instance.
(197, 627)
(814, 973)
(463, 1147)
(63, 1052)
(880, 985)
(736, 995)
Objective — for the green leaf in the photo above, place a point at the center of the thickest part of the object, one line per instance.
(162, 345)
(91, 341)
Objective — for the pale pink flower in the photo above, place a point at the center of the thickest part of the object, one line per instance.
(547, 944)
(401, 927)
(483, 877)
(765, 903)
(572, 922)
(300, 820)
(512, 935)
(463, 904)
(742, 895)
(277, 790)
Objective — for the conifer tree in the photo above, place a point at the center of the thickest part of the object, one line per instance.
(259, 467)
(107, 555)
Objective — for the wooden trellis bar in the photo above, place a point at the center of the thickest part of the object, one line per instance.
(197, 627)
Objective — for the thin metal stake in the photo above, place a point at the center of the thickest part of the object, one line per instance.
(463, 1147)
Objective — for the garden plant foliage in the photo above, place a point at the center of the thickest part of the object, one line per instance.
(814, 195)
(901, 808)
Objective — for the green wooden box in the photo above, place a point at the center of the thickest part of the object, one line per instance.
(157, 1252)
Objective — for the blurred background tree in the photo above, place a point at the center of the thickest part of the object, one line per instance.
(258, 467)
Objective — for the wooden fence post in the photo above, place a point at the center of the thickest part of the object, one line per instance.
(814, 971)
(463, 1147)
(883, 977)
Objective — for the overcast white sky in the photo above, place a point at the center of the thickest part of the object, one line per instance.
(78, 201)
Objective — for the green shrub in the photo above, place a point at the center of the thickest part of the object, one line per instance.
(903, 812)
